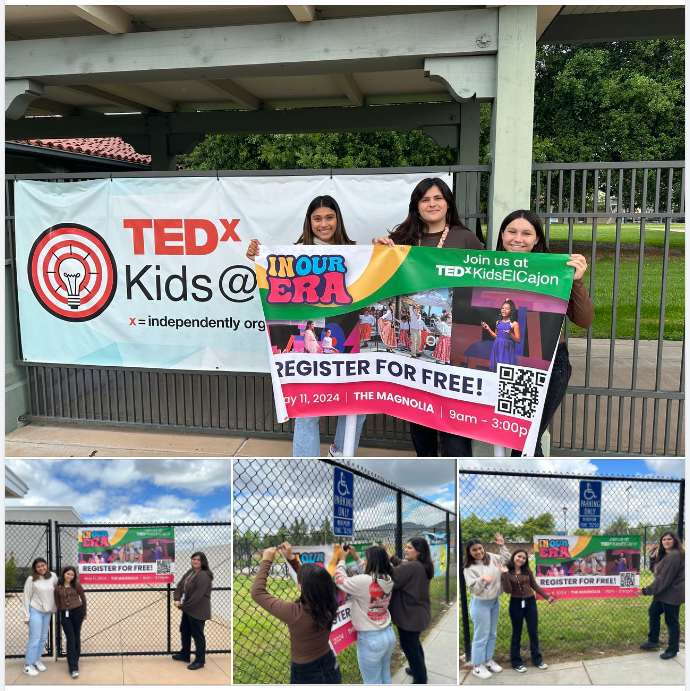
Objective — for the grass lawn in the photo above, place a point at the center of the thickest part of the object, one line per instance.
(261, 643)
(627, 279)
(582, 627)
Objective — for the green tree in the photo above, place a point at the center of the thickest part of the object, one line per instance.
(583, 531)
(617, 527)
(544, 524)
(10, 572)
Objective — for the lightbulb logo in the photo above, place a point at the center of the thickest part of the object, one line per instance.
(72, 272)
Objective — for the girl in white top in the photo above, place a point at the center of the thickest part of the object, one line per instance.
(371, 594)
(38, 603)
(327, 343)
(482, 572)
(323, 225)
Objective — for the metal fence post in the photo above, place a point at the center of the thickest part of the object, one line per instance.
(681, 509)
(463, 595)
(398, 525)
(169, 590)
(644, 548)
(447, 557)
(57, 643)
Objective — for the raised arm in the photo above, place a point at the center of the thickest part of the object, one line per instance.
(287, 612)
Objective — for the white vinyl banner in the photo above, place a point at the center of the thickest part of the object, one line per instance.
(151, 272)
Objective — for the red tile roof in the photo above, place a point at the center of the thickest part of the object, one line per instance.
(103, 147)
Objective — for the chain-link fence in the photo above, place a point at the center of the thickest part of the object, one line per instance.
(522, 505)
(142, 620)
(292, 499)
(24, 542)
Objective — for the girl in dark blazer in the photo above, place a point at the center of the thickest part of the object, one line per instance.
(193, 598)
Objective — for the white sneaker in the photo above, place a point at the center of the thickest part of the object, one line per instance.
(30, 670)
(40, 666)
(75, 674)
(493, 667)
(481, 672)
(335, 452)
(543, 665)
(521, 669)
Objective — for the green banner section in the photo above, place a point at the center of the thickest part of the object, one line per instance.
(426, 268)
(594, 544)
(102, 539)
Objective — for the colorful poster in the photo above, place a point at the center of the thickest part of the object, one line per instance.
(438, 546)
(152, 272)
(586, 566)
(458, 340)
(343, 633)
(126, 555)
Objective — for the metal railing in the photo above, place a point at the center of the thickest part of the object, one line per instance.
(627, 392)
(522, 504)
(292, 499)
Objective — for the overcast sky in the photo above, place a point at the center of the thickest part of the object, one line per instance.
(139, 490)
(518, 498)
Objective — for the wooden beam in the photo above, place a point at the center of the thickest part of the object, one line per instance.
(349, 85)
(19, 93)
(546, 14)
(226, 87)
(107, 17)
(45, 105)
(303, 13)
(338, 46)
(138, 94)
(384, 118)
(108, 96)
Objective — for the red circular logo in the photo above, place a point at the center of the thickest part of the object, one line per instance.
(72, 272)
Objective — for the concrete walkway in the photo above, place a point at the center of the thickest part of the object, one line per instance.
(639, 668)
(440, 652)
(38, 440)
(118, 671)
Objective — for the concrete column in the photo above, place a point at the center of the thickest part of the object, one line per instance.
(466, 184)
(16, 388)
(19, 93)
(161, 158)
(512, 115)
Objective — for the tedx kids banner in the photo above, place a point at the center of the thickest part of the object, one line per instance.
(458, 340)
(343, 633)
(152, 272)
(438, 547)
(126, 555)
(584, 566)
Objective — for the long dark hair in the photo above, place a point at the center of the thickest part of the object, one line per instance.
(511, 562)
(34, 574)
(411, 230)
(469, 559)
(340, 237)
(513, 311)
(75, 580)
(204, 563)
(318, 594)
(379, 564)
(530, 217)
(422, 546)
(661, 552)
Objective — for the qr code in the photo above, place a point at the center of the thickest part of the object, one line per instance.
(518, 390)
(628, 579)
(163, 567)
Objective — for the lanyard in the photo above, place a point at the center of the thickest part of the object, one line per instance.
(190, 577)
(444, 235)
(522, 593)
(67, 592)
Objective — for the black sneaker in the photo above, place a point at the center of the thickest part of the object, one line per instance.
(668, 654)
(649, 645)
(408, 671)
(181, 658)
(195, 665)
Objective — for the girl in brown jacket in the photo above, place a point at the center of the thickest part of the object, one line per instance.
(309, 618)
(70, 601)
(193, 598)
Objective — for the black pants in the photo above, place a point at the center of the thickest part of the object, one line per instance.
(671, 615)
(531, 617)
(193, 628)
(560, 376)
(325, 670)
(426, 442)
(72, 627)
(411, 646)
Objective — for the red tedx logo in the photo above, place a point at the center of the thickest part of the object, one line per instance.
(180, 236)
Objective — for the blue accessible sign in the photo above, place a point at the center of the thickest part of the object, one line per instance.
(590, 504)
(343, 502)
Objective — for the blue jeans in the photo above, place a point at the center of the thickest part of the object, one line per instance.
(484, 615)
(306, 442)
(374, 652)
(39, 623)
